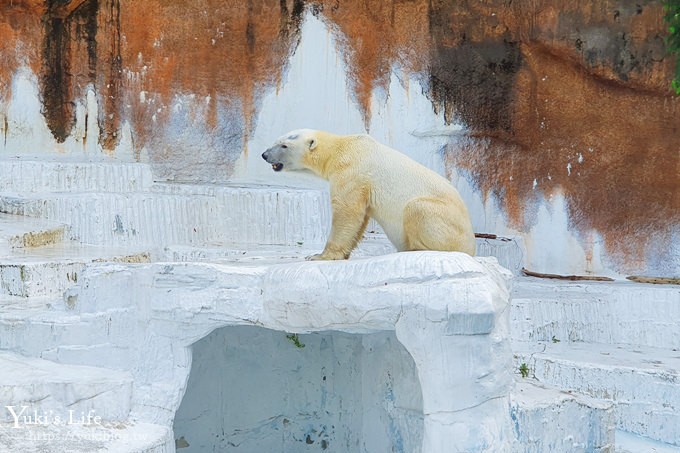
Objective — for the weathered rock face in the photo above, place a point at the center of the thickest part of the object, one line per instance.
(571, 98)
(560, 98)
(144, 58)
(342, 390)
(198, 70)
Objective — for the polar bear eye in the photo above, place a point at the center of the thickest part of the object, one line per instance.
(284, 146)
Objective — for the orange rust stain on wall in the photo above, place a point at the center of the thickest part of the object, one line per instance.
(221, 52)
(66, 44)
(590, 117)
(20, 38)
(377, 37)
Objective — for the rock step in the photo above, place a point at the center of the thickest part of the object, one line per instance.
(276, 215)
(38, 329)
(50, 389)
(182, 214)
(549, 420)
(630, 443)
(232, 253)
(619, 312)
(49, 270)
(176, 214)
(22, 232)
(126, 218)
(28, 176)
(373, 244)
(111, 437)
(643, 382)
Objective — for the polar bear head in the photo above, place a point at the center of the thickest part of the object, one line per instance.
(291, 151)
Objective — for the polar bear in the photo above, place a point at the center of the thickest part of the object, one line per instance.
(417, 208)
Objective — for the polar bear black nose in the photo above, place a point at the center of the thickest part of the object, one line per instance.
(265, 155)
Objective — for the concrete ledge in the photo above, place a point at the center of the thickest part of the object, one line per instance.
(630, 443)
(37, 387)
(44, 328)
(125, 218)
(27, 176)
(112, 437)
(23, 232)
(48, 271)
(549, 420)
(202, 216)
(596, 312)
(641, 381)
(372, 294)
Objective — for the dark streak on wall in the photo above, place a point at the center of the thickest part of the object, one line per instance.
(56, 83)
(109, 73)
(81, 47)
(68, 25)
(290, 21)
(473, 83)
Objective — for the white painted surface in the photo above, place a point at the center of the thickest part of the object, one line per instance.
(338, 392)
(549, 420)
(49, 270)
(45, 173)
(643, 381)
(177, 305)
(596, 312)
(630, 443)
(27, 130)
(110, 437)
(40, 391)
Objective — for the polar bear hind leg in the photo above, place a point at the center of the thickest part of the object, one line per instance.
(429, 225)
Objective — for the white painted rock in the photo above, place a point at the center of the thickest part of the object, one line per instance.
(449, 310)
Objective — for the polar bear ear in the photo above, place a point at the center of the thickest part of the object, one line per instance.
(312, 144)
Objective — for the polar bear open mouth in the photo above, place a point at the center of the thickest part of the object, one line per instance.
(277, 167)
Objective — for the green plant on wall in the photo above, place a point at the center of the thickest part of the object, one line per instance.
(524, 370)
(295, 340)
(672, 18)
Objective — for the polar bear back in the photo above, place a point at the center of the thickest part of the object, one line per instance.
(395, 180)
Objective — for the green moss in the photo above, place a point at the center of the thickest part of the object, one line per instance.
(296, 340)
(672, 17)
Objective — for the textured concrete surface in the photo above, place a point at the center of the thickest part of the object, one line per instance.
(546, 419)
(109, 437)
(35, 390)
(642, 381)
(619, 312)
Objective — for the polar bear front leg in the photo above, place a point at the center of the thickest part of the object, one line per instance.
(350, 217)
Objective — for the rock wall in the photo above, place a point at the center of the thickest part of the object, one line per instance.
(382, 331)
(554, 118)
